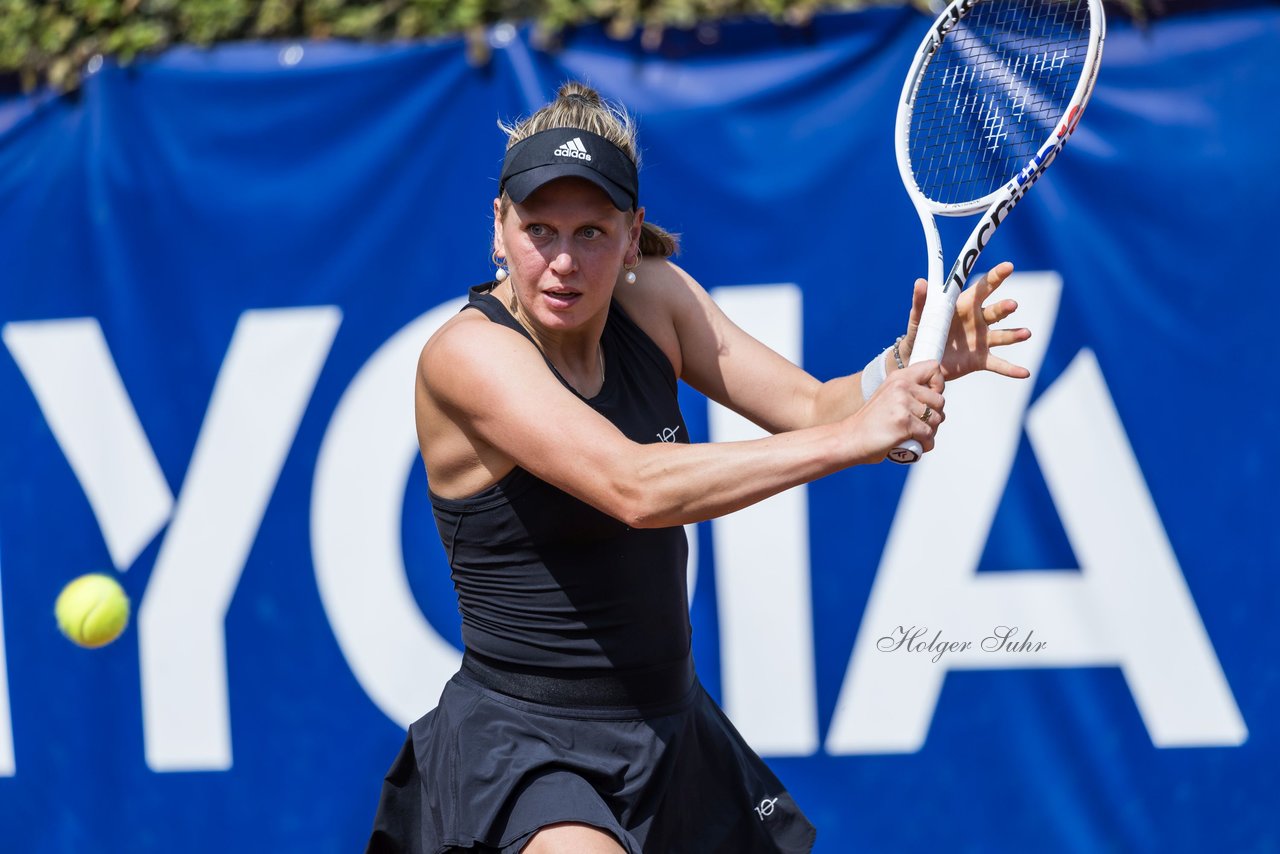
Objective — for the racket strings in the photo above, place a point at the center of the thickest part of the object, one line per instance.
(993, 93)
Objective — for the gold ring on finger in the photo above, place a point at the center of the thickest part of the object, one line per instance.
(926, 415)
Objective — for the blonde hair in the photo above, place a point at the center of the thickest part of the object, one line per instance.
(580, 107)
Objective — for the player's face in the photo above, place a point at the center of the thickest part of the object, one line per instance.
(565, 246)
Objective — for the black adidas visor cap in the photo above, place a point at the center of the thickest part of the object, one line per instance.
(569, 153)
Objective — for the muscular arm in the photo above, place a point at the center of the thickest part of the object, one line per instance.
(716, 357)
(522, 413)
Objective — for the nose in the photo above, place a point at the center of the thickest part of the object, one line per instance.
(564, 263)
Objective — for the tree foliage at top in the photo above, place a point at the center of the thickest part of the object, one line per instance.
(50, 41)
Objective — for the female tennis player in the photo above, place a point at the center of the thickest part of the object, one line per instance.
(561, 475)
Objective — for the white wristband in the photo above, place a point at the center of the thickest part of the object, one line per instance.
(873, 374)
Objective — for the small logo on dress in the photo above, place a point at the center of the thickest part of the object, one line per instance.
(668, 434)
(573, 148)
(766, 808)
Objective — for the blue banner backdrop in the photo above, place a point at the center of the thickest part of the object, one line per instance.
(219, 265)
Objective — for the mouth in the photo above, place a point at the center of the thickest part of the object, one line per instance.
(561, 297)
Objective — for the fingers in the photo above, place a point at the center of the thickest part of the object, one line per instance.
(918, 294)
(917, 309)
(920, 406)
(995, 277)
(1006, 369)
(933, 376)
(908, 405)
(997, 312)
(924, 374)
(923, 417)
(1004, 337)
(972, 303)
(931, 403)
(929, 399)
(929, 418)
(987, 285)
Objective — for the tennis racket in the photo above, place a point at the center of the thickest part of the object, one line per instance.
(995, 90)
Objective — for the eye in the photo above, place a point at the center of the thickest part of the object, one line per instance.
(537, 229)
(591, 232)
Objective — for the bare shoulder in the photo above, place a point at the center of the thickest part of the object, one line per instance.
(660, 296)
(457, 384)
(465, 346)
(457, 389)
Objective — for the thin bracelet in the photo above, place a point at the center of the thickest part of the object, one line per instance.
(896, 356)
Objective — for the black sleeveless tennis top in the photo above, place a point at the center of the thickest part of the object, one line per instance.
(547, 581)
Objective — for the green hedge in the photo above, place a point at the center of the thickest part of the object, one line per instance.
(51, 40)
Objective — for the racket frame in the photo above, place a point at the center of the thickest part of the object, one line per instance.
(940, 300)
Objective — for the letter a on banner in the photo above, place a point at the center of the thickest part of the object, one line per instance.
(1127, 564)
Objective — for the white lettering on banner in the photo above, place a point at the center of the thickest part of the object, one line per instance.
(1166, 656)
(1128, 568)
(263, 386)
(356, 508)
(71, 373)
(886, 703)
(762, 566)
(261, 392)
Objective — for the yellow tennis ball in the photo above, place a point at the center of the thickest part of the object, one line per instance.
(92, 610)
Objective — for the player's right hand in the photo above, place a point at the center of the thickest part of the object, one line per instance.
(908, 405)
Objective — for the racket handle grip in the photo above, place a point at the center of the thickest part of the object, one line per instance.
(930, 343)
(906, 453)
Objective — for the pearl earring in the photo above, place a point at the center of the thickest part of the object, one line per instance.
(501, 274)
(630, 277)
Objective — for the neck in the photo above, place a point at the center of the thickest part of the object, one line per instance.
(577, 354)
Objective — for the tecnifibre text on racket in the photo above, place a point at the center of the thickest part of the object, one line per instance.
(995, 90)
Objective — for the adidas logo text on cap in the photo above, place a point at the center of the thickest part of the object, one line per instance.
(573, 148)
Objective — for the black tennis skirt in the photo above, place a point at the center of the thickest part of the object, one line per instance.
(485, 770)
